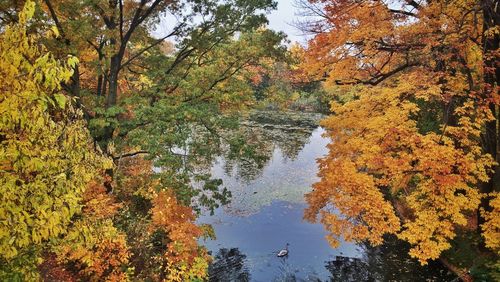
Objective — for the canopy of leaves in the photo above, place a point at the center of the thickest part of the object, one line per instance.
(408, 153)
(46, 153)
(137, 98)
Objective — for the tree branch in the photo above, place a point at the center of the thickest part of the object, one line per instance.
(56, 21)
(133, 57)
(403, 12)
(128, 155)
(120, 4)
(379, 78)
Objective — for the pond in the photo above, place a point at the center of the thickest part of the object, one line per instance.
(266, 213)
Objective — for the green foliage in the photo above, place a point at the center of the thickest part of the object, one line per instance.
(186, 129)
(181, 107)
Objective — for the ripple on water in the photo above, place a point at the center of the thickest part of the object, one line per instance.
(266, 212)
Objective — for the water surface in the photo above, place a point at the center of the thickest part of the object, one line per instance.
(266, 212)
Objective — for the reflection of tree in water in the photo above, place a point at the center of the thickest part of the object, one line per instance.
(289, 273)
(266, 132)
(286, 272)
(228, 265)
(389, 262)
(349, 269)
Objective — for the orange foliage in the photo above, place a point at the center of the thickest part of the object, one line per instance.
(178, 222)
(95, 248)
(413, 63)
(104, 261)
(256, 74)
(51, 270)
(98, 203)
(183, 259)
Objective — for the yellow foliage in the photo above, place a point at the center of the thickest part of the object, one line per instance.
(197, 271)
(46, 152)
(410, 135)
(491, 228)
(377, 153)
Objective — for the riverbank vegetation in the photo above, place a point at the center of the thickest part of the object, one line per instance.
(414, 147)
(92, 102)
(108, 128)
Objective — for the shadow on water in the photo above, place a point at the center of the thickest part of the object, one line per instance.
(388, 262)
(228, 265)
(266, 212)
(385, 263)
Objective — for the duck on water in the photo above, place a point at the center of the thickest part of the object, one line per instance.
(283, 252)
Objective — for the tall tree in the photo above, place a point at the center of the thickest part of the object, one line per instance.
(46, 153)
(118, 33)
(148, 106)
(127, 86)
(414, 151)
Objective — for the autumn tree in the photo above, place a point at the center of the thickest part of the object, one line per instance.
(159, 93)
(46, 153)
(183, 259)
(117, 49)
(148, 107)
(93, 248)
(413, 149)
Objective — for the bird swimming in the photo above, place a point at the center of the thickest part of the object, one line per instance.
(283, 252)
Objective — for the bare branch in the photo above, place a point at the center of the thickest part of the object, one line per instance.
(128, 155)
(158, 41)
(379, 78)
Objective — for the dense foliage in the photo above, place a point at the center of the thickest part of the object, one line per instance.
(78, 76)
(415, 122)
(112, 112)
(47, 157)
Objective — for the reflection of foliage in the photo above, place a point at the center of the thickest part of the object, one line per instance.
(267, 131)
(348, 269)
(286, 273)
(228, 265)
(388, 262)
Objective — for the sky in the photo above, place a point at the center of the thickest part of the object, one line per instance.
(283, 18)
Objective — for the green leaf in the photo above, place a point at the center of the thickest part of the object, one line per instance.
(61, 100)
(72, 61)
(56, 32)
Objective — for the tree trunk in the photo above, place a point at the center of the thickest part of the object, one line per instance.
(104, 84)
(112, 98)
(75, 82)
(99, 85)
(113, 79)
(491, 18)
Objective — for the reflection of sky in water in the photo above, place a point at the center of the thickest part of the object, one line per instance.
(266, 213)
(282, 178)
(261, 235)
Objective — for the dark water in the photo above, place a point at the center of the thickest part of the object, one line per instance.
(266, 213)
